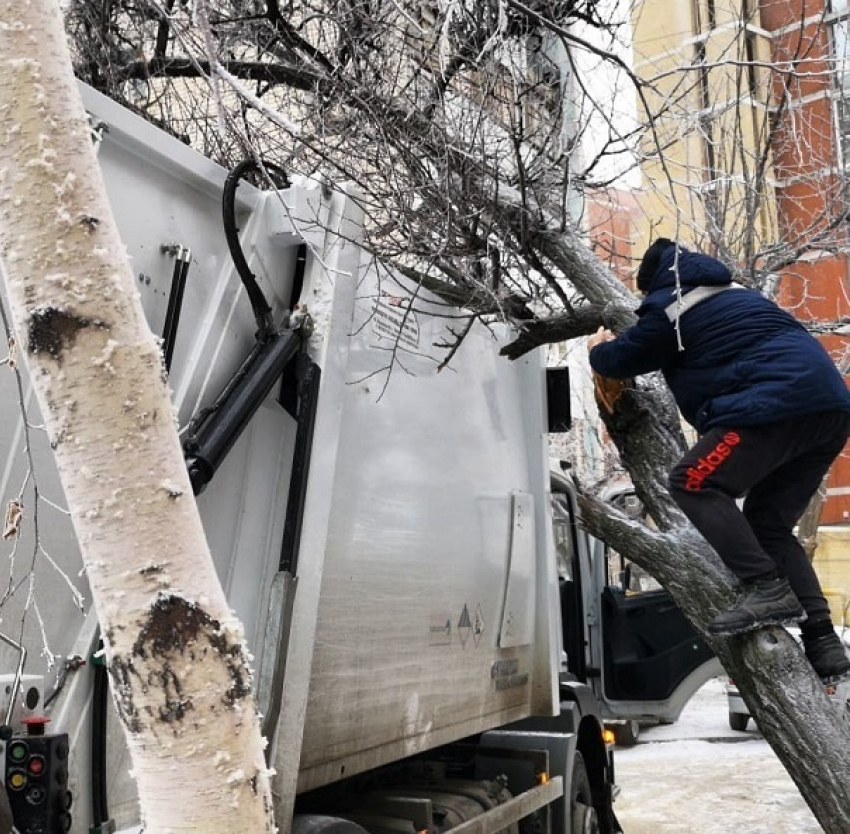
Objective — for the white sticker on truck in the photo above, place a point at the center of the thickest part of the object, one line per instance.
(393, 320)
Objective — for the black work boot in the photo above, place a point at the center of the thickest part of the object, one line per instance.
(828, 658)
(766, 602)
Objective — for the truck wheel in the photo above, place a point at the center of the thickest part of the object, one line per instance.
(582, 813)
(320, 824)
(627, 733)
(738, 721)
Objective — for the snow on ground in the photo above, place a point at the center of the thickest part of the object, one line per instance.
(700, 777)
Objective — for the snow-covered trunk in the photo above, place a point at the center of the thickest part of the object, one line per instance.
(809, 733)
(178, 665)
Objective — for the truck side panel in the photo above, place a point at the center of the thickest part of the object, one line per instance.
(423, 609)
(428, 615)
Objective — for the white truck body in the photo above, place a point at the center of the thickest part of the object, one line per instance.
(421, 602)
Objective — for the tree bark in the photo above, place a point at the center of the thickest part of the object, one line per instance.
(178, 664)
(807, 529)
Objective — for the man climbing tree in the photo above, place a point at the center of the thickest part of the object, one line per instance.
(773, 413)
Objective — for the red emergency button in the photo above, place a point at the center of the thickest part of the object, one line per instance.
(35, 724)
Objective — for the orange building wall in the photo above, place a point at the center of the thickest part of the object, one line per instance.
(808, 191)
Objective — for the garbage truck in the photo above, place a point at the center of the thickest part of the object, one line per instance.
(437, 643)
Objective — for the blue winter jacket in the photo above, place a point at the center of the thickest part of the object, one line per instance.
(744, 361)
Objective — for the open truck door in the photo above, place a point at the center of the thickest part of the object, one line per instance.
(623, 633)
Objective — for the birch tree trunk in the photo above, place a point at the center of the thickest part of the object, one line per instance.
(178, 665)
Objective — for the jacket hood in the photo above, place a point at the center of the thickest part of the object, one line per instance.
(694, 270)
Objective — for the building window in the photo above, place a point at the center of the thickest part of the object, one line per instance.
(842, 114)
(839, 27)
(841, 49)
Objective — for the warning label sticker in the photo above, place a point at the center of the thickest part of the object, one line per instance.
(393, 320)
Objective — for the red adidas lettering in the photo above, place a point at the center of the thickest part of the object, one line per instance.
(708, 464)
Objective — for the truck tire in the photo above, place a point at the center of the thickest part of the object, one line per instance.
(738, 721)
(320, 824)
(583, 817)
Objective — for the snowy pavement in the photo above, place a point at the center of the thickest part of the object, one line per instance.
(700, 777)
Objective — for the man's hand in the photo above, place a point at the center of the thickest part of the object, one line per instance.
(601, 335)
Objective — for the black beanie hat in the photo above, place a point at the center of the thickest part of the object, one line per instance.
(649, 264)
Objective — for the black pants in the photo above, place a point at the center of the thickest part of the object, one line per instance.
(778, 467)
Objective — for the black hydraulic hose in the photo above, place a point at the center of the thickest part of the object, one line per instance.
(262, 311)
(212, 433)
